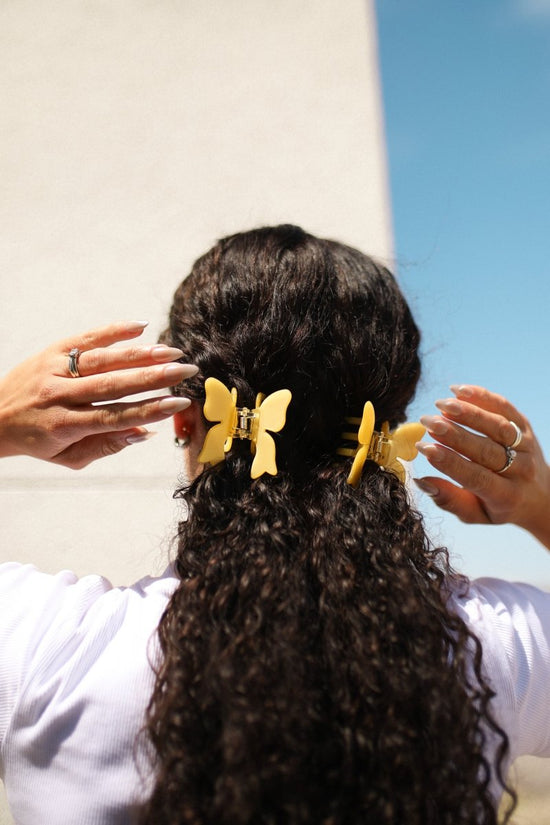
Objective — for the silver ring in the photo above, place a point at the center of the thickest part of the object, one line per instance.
(510, 455)
(73, 362)
(519, 435)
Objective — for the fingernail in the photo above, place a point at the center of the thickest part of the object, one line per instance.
(426, 487)
(434, 424)
(449, 405)
(173, 405)
(137, 324)
(136, 439)
(175, 372)
(431, 451)
(162, 353)
(190, 370)
(462, 389)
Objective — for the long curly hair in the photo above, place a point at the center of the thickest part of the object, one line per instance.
(311, 673)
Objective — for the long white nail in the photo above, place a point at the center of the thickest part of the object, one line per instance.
(180, 371)
(173, 405)
(137, 439)
(162, 353)
(462, 390)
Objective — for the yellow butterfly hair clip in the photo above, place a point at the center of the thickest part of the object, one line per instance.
(386, 448)
(269, 414)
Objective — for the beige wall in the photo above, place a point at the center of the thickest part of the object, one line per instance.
(134, 134)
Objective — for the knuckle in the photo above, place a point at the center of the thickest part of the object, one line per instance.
(48, 392)
(487, 453)
(107, 385)
(109, 417)
(110, 447)
(135, 354)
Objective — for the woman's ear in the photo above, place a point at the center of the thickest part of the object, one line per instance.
(190, 431)
(189, 425)
(183, 427)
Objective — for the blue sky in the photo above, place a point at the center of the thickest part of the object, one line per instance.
(466, 89)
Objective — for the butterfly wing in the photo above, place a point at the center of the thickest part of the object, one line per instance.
(219, 405)
(366, 427)
(271, 416)
(402, 447)
(364, 436)
(404, 440)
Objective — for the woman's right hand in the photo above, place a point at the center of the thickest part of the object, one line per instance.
(47, 413)
(475, 460)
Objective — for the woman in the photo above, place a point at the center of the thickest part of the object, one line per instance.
(317, 661)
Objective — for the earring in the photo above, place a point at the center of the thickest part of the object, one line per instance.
(183, 442)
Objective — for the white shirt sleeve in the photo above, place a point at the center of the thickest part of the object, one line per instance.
(512, 621)
(38, 612)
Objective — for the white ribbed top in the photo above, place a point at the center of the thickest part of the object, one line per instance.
(75, 679)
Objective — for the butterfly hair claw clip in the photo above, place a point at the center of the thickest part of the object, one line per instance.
(385, 448)
(268, 416)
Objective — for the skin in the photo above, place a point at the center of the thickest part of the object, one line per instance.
(48, 414)
(520, 495)
(189, 426)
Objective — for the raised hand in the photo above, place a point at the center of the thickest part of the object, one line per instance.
(58, 405)
(500, 467)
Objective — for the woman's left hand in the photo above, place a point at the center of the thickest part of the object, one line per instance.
(500, 467)
(47, 413)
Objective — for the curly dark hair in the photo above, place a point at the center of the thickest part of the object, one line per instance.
(312, 672)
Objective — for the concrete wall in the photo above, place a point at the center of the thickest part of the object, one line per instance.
(135, 133)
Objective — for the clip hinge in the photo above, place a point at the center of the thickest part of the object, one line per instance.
(376, 448)
(244, 423)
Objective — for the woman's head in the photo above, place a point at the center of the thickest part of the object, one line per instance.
(277, 308)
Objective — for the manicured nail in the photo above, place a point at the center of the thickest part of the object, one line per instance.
(175, 372)
(138, 438)
(137, 324)
(432, 452)
(173, 405)
(462, 390)
(434, 424)
(162, 353)
(426, 487)
(449, 405)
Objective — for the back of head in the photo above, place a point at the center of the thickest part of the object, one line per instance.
(276, 308)
(311, 672)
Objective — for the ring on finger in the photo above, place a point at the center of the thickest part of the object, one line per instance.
(519, 435)
(510, 456)
(74, 355)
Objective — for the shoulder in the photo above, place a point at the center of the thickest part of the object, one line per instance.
(53, 624)
(512, 622)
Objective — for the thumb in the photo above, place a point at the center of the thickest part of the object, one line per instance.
(93, 447)
(456, 500)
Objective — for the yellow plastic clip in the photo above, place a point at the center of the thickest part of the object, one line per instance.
(269, 414)
(386, 448)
